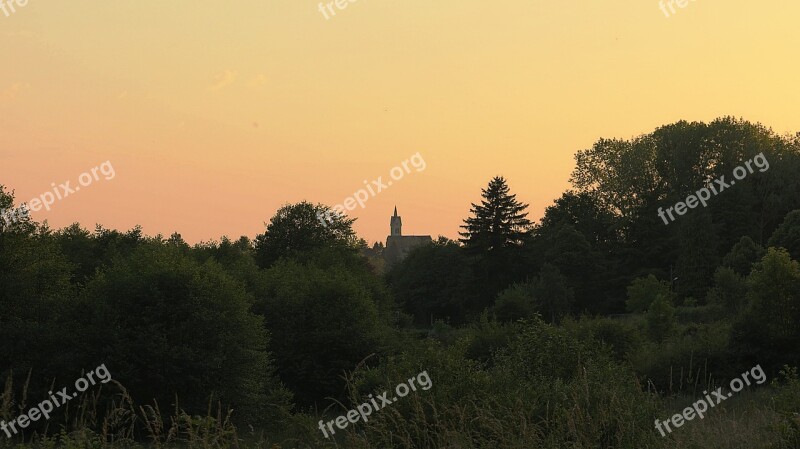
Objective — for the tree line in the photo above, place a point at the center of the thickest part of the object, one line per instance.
(276, 327)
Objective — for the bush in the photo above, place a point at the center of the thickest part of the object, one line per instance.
(166, 326)
(324, 322)
(700, 314)
(743, 255)
(787, 402)
(692, 355)
(660, 318)
(729, 290)
(547, 389)
(514, 303)
(486, 337)
(767, 331)
(643, 291)
(621, 337)
(788, 234)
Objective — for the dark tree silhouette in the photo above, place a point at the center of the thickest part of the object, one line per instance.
(301, 227)
(498, 222)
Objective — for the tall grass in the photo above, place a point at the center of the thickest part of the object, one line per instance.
(597, 408)
(110, 419)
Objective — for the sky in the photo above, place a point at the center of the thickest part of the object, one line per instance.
(215, 114)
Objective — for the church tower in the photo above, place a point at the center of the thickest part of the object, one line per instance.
(396, 224)
(398, 245)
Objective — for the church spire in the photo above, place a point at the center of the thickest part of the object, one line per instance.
(396, 224)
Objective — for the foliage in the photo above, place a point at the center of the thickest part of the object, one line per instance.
(766, 332)
(486, 337)
(743, 255)
(167, 326)
(498, 222)
(787, 402)
(729, 290)
(690, 359)
(644, 291)
(660, 318)
(35, 292)
(515, 302)
(432, 282)
(301, 227)
(213, 331)
(788, 234)
(622, 337)
(546, 389)
(554, 296)
(324, 322)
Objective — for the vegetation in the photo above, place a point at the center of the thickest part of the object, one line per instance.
(579, 330)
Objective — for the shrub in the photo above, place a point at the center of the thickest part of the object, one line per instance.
(660, 318)
(643, 291)
(547, 389)
(514, 303)
(743, 255)
(786, 402)
(324, 322)
(166, 325)
(767, 331)
(729, 290)
(621, 337)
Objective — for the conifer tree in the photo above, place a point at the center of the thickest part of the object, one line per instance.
(498, 222)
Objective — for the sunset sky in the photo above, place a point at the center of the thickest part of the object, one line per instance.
(214, 114)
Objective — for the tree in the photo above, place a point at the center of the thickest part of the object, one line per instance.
(432, 282)
(644, 291)
(634, 179)
(773, 295)
(324, 322)
(660, 318)
(767, 331)
(374, 255)
(235, 257)
(788, 234)
(35, 295)
(13, 218)
(90, 251)
(568, 250)
(697, 254)
(583, 212)
(554, 297)
(169, 327)
(577, 227)
(515, 302)
(302, 227)
(743, 255)
(548, 294)
(729, 290)
(493, 237)
(498, 222)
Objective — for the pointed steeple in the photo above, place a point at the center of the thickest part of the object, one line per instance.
(396, 224)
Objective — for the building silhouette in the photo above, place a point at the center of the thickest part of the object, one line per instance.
(398, 245)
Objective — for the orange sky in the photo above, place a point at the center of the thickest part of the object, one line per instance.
(215, 114)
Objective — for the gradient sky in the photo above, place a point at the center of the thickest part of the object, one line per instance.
(214, 114)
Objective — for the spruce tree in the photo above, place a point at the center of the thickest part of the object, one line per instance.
(498, 222)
